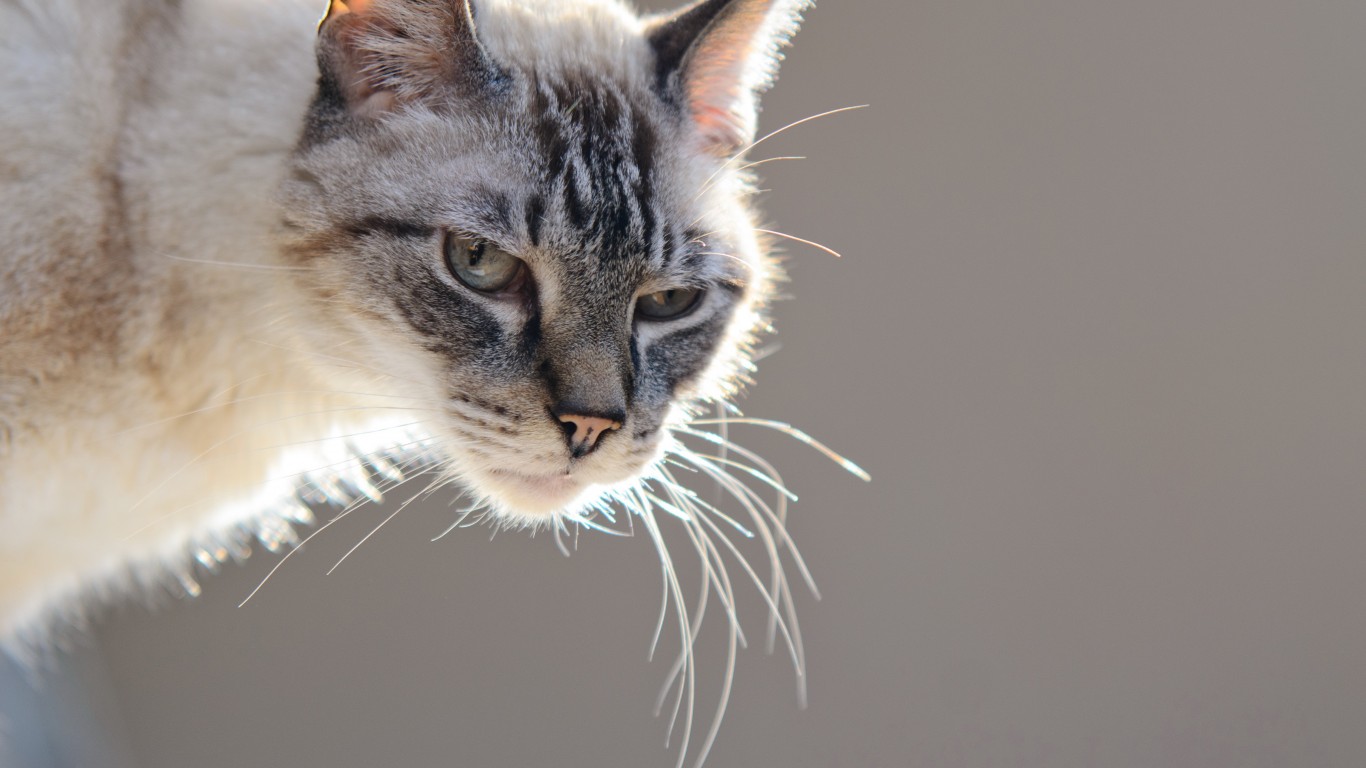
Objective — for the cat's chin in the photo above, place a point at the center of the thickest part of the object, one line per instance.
(536, 497)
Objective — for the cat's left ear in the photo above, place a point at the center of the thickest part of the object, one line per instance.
(718, 56)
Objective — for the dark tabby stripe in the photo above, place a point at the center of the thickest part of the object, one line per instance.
(392, 227)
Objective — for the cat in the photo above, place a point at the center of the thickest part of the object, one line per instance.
(250, 259)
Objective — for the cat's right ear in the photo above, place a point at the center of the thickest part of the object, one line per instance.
(380, 54)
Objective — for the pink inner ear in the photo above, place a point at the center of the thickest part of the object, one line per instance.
(723, 71)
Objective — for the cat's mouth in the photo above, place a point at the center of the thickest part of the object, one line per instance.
(533, 494)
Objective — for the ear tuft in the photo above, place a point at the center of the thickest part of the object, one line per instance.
(384, 53)
(718, 56)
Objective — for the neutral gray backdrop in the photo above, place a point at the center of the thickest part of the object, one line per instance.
(1097, 335)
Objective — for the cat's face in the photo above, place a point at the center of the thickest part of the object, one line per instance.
(544, 243)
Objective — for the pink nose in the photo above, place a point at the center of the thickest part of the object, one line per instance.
(587, 430)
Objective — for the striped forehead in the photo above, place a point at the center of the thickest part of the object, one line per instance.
(596, 148)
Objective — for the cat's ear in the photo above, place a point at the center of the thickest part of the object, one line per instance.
(718, 56)
(383, 53)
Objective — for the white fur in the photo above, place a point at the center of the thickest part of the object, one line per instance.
(94, 486)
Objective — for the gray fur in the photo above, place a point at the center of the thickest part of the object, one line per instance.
(577, 171)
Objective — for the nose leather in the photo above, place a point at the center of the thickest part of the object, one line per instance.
(587, 430)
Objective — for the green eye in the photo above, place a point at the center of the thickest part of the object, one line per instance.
(667, 305)
(480, 265)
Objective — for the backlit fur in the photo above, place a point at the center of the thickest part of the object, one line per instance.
(222, 276)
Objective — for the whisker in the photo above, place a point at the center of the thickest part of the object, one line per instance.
(685, 638)
(743, 150)
(730, 256)
(784, 538)
(709, 572)
(642, 508)
(353, 506)
(349, 509)
(767, 160)
(384, 522)
(779, 524)
(802, 240)
(736, 638)
(236, 265)
(799, 435)
(780, 517)
(698, 615)
(779, 603)
(298, 443)
(753, 504)
(558, 527)
(458, 522)
(708, 553)
(694, 498)
(760, 476)
(771, 600)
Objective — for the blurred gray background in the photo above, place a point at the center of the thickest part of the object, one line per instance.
(1097, 335)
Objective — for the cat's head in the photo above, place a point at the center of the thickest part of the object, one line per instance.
(530, 216)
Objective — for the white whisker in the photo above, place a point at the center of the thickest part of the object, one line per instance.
(771, 600)
(730, 256)
(459, 521)
(799, 435)
(753, 504)
(353, 506)
(708, 570)
(684, 636)
(751, 471)
(347, 436)
(735, 638)
(779, 517)
(236, 265)
(698, 615)
(384, 522)
(693, 498)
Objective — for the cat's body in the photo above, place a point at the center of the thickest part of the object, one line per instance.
(506, 239)
(140, 140)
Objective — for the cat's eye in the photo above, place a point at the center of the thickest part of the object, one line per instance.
(667, 305)
(482, 266)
